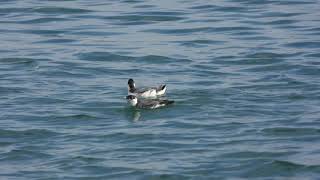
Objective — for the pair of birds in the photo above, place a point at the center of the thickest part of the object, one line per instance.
(146, 97)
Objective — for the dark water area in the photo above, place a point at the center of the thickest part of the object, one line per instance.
(245, 75)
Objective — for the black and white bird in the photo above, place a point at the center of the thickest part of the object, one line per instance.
(151, 92)
(147, 103)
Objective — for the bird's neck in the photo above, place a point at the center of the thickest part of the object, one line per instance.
(131, 88)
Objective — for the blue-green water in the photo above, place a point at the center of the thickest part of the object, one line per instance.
(245, 75)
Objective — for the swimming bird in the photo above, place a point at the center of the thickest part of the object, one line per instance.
(147, 103)
(145, 92)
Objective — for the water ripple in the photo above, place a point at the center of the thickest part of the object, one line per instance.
(59, 10)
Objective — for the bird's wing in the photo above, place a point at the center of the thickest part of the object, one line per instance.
(165, 102)
(148, 103)
(142, 90)
(161, 87)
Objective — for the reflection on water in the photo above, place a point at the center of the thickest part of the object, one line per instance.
(132, 113)
(136, 116)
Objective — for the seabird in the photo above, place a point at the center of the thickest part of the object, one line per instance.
(145, 92)
(147, 103)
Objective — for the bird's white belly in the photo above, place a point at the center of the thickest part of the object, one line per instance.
(149, 93)
(157, 106)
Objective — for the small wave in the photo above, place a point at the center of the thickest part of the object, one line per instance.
(16, 60)
(180, 31)
(23, 155)
(56, 41)
(12, 90)
(273, 67)
(75, 117)
(200, 42)
(278, 168)
(59, 0)
(316, 55)
(295, 96)
(282, 22)
(311, 30)
(202, 30)
(307, 70)
(285, 131)
(43, 32)
(162, 13)
(95, 33)
(294, 2)
(310, 44)
(13, 10)
(103, 56)
(264, 58)
(162, 59)
(145, 6)
(17, 63)
(253, 2)
(47, 100)
(60, 10)
(165, 176)
(87, 159)
(260, 58)
(131, 1)
(4, 144)
(219, 8)
(258, 61)
(66, 73)
(30, 133)
(142, 19)
(253, 154)
(110, 57)
(203, 7)
(126, 136)
(270, 55)
(40, 20)
(280, 14)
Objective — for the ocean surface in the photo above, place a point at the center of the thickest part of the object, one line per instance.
(245, 75)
